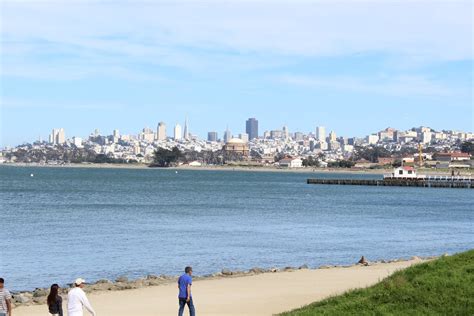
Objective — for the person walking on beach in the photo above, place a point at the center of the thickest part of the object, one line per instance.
(5, 300)
(55, 301)
(184, 297)
(77, 300)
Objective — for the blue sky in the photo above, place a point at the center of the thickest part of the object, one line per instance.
(355, 67)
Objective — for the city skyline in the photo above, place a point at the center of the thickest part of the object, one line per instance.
(175, 131)
(281, 65)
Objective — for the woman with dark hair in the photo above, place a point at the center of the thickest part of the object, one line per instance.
(55, 301)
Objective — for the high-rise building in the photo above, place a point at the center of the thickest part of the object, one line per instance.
(244, 137)
(186, 129)
(276, 134)
(116, 133)
(57, 136)
(299, 136)
(321, 133)
(227, 135)
(426, 137)
(251, 128)
(332, 136)
(212, 136)
(161, 131)
(286, 134)
(372, 139)
(177, 132)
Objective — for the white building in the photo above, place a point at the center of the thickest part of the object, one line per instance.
(77, 141)
(332, 136)
(177, 132)
(403, 172)
(372, 139)
(291, 163)
(426, 137)
(57, 136)
(321, 133)
(244, 137)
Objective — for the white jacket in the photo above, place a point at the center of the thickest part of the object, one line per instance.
(76, 300)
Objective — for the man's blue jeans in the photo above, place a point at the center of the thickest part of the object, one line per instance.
(182, 303)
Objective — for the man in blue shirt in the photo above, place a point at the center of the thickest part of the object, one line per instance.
(184, 285)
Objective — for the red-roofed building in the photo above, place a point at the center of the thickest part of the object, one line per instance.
(453, 156)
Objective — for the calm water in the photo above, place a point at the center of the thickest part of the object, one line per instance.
(101, 223)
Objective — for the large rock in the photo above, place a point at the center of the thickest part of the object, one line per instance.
(103, 281)
(22, 298)
(122, 279)
(256, 270)
(40, 292)
(226, 272)
(303, 267)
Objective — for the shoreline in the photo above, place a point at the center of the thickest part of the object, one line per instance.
(228, 168)
(258, 292)
(121, 283)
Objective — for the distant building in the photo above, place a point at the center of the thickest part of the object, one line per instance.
(161, 131)
(244, 137)
(186, 129)
(404, 172)
(286, 134)
(387, 134)
(372, 139)
(57, 136)
(332, 136)
(116, 133)
(291, 163)
(276, 134)
(426, 137)
(321, 133)
(147, 135)
(251, 128)
(453, 156)
(299, 136)
(212, 136)
(227, 135)
(177, 132)
(236, 145)
(266, 134)
(77, 141)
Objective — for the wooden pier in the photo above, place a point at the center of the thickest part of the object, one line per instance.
(445, 182)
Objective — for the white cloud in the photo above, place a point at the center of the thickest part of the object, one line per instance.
(396, 86)
(438, 30)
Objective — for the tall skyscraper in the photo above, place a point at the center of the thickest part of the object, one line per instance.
(161, 131)
(177, 132)
(57, 136)
(227, 135)
(116, 133)
(286, 134)
(212, 136)
(251, 128)
(321, 133)
(186, 129)
(332, 136)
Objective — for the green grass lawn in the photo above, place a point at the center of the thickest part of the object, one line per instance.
(444, 286)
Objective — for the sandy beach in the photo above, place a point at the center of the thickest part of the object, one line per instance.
(262, 294)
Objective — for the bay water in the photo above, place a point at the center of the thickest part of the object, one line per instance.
(65, 223)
